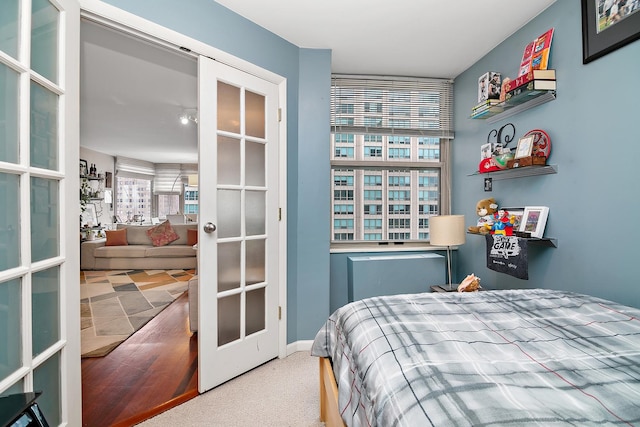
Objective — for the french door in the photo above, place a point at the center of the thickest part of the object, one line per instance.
(238, 237)
(39, 209)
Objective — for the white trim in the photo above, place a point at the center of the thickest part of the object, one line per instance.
(294, 347)
(282, 274)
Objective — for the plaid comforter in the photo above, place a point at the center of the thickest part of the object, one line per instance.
(494, 358)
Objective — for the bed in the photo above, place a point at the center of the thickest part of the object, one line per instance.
(494, 358)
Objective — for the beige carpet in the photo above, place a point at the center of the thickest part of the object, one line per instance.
(280, 393)
(116, 303)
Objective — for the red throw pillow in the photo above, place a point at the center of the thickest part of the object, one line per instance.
(192, 236)
(116, 237)
(162, 234)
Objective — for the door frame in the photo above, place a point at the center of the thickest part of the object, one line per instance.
(129, 23)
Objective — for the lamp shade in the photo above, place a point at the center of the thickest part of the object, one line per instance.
(447, 230)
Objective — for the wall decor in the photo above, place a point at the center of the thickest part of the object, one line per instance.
(525, 147)
(84, 168)
(534, 220)
(605, 30)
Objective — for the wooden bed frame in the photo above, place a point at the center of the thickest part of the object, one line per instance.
(329, 412)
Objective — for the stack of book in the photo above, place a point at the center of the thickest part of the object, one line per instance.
(529, 85)
(487, 108)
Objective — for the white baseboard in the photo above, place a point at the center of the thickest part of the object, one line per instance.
(299, 346)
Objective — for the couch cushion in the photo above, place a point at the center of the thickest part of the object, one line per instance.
(136, 234)
(182, 230)
(192, 236)
(130, 251)
(162, 234)
(170, 251)
(116, 237)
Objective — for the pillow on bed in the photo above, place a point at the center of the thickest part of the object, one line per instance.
(162, 234)
(116, 237)
(192, 236)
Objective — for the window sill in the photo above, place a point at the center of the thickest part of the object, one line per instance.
(339, 248)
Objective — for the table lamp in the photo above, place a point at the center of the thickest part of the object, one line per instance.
(447, 230)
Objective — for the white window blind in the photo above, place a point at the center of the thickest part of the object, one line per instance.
(134, 168)
(394, 106)
(168, 179)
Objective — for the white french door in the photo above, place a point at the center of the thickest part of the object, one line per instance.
(238, 237)
(39, 208)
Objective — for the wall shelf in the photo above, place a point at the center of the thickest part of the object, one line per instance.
(509, 110)
(549, 242)
(520, 172)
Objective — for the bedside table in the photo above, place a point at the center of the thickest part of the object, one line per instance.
(444, 288)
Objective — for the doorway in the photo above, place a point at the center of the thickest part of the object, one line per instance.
(145, 109)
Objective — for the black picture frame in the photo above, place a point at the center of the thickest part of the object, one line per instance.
(84, 168)
(598, 44)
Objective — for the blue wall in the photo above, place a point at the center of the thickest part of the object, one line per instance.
(593, 200)
(308, 79)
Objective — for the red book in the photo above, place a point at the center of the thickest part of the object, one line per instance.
(531, 75)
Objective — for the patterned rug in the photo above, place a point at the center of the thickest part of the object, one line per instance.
(116, 303)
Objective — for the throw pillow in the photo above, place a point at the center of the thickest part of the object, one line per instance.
(162, 234)
(192, 236)
(116, 237)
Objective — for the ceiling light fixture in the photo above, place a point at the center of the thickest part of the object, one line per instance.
(189, 115)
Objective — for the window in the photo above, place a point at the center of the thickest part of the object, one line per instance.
(134, 198)
(389, 144)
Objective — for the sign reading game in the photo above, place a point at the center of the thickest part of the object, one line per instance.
(508, 254)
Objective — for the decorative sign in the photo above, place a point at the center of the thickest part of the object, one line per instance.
(508, 254)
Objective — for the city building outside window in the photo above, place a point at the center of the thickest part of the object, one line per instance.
(389, 157)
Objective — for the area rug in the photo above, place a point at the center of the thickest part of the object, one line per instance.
(116, 303)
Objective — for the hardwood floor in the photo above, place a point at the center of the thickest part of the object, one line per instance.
(152, 371)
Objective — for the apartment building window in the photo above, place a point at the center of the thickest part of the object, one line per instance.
(399, 130)
(133, 198)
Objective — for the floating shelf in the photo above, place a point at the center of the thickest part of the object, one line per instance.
(549, 242)
(520, 172)
(508, 111)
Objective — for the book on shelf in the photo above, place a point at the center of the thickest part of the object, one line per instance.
(537, 54)
(485, 104)
(525, 92)
(529, 76)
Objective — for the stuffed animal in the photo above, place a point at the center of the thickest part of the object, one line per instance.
(485, 209)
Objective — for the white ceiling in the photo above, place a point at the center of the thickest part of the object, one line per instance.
(132, 93)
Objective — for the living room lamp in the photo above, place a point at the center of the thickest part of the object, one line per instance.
(447, 230)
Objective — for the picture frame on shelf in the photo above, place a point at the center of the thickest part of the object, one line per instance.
(84, 167)
(524, 148)
(518, 213)
(602, 33)
(486, 150)
(534, 220)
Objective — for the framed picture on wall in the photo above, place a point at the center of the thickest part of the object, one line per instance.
(84, 168)
(108, 180)
(607, 26)
(534, 220)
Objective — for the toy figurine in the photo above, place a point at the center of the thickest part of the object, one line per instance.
(503, 223)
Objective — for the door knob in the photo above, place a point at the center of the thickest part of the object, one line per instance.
(209, 227)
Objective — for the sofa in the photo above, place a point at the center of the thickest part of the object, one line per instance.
(139, 251)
